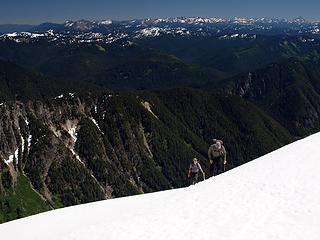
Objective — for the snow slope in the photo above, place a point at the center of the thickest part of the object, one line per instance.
(274, 197)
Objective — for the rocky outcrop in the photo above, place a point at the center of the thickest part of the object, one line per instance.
(76, 149)
(288, 91)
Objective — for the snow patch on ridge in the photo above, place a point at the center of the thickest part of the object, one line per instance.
(71, 127)
(72, 130)
(22, 144)
(73, 133)
(147, 106)
(29, 142)
(105, 22)
(96, 123)
(59, 97)
(15, 156)
(75, 154)
(12, 157)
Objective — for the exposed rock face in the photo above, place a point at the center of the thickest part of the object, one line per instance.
(63, 150)
(47, 133)
(289, 91)
(79, 149)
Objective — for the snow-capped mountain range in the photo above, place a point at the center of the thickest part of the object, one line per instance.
(109, 30)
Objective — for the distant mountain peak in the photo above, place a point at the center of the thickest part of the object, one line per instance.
(107, 30)
(105, 22)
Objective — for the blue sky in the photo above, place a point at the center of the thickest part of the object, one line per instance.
(37, 11)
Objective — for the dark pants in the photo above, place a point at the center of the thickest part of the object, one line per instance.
(194, 178)
(216, 167)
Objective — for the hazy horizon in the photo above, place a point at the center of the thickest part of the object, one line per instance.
(37, 11)
(106, 18)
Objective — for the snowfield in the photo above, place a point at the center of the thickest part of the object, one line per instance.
(274, 197)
